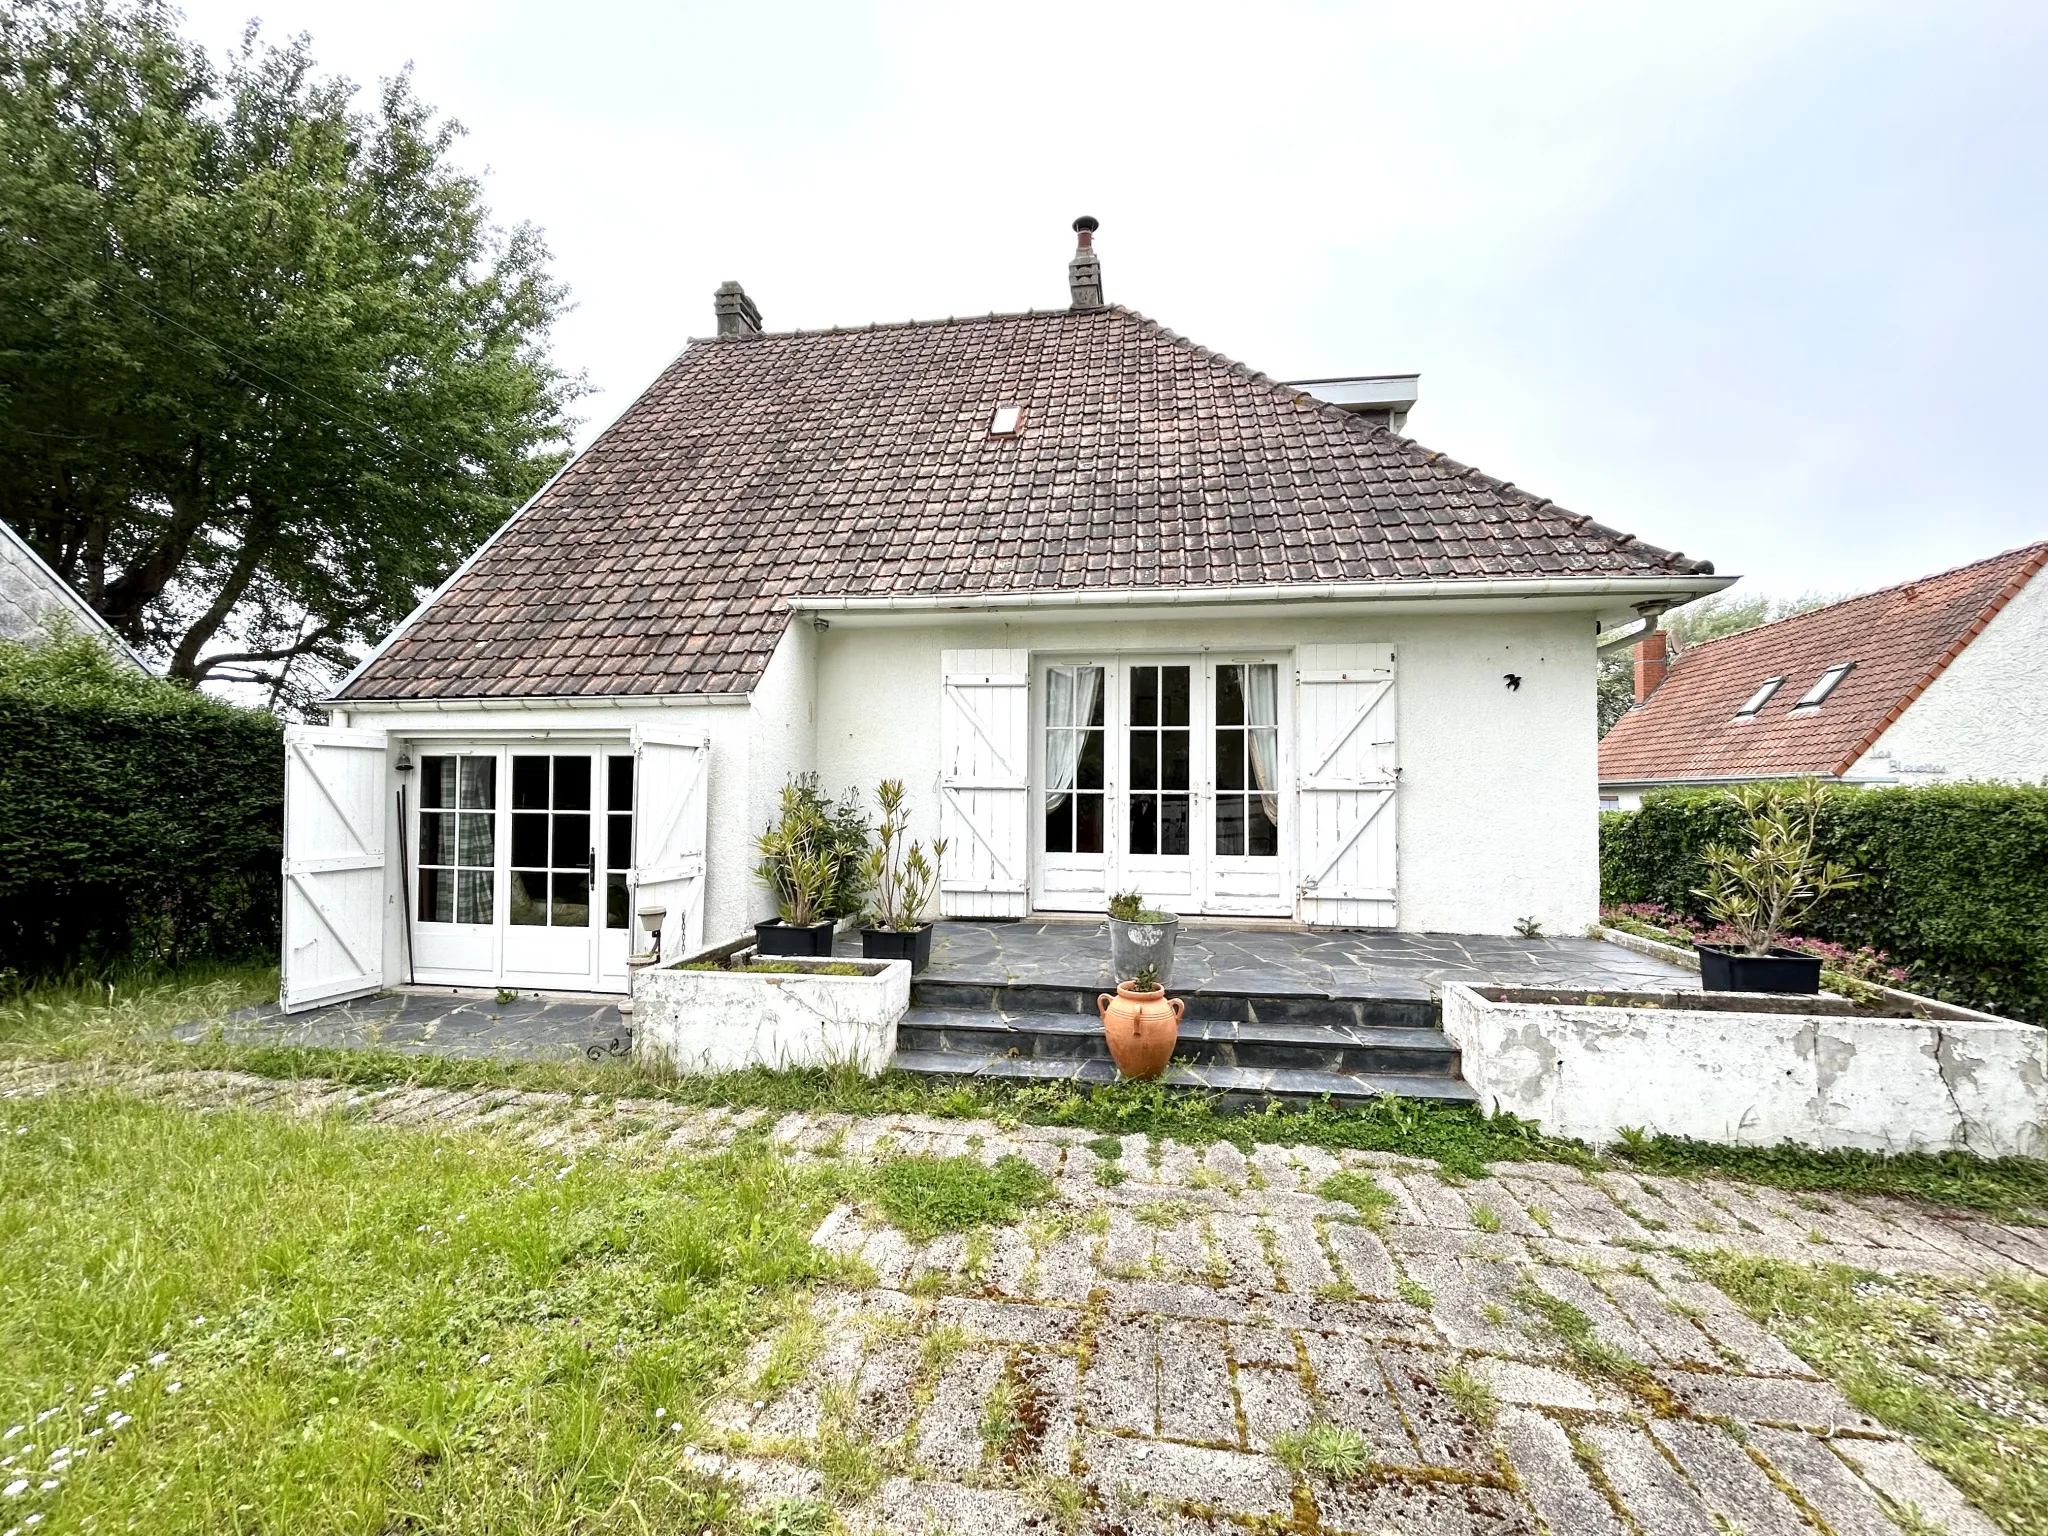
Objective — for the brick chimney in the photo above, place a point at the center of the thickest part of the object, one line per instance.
(1653, 660)
(1084, 272)
(737, 314)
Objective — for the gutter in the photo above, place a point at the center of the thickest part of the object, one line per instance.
(1273, 593)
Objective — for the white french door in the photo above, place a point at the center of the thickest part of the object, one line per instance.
(1164, 774)
(524, 865)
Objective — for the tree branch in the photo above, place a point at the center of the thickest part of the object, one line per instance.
(304, 647)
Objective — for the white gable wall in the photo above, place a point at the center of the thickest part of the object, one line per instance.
(1496, 819)
(1985, 716)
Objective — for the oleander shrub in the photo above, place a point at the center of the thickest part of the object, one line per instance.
(1955, 879)
(139, 821)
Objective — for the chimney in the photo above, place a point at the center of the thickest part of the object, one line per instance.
(1084, 272)
(737, 314)
(1653, 660)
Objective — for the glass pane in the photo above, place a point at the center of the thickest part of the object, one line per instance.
(1094, 674)
(529, 783)
(1230, 759)
(529, 898)
(572, 842)
(572, 901)
(437, 783)
(1144, 824)
(1144, 760)
(572, 783)
(473, 896)
(1144, 695)
(619, 791)
(618, 842)
(1059, 824)
(1173, 752)
(479, 841)
(479, 783)
(437, 839)
(1173, 825)
(1088, 823)
(1265, 836)
(1230, 824)
(615, 913)
(1088, 772)
(529, 840)
(1229, 696)
(1265, 759)
(1176, 696)
(437, 896)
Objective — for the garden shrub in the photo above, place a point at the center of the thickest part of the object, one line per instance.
(138, 820)
(1955, 879)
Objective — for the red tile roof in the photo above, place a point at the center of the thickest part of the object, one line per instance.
(859, 462)
(1900, 639)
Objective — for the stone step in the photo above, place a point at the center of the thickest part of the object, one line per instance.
(1399, 1007)
(1342, 1048)
(1237, 1085)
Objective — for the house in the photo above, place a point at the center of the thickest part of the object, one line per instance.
(1938, 679)
(36, 602)
(1120, 611)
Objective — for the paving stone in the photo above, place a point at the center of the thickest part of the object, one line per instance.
(1177, 1162)
(1121, 1387)
(1174, 1299)
(761, 1478)
(889, 1254)
(1256, 1344)
(1303, 1269)
(1384, 1505)
(1729, 1481)
(1517, 1381)
(1225, 1162)
(1437, 1202)
(949, 1429)
(1275, 1167)
(1673, 1337)
(1230, 1481)
(1896, 1470)
(1194, 1383)
(1646, 1483)
(1445, 1437)
(1008, 1322)
(1274, 1403)
(1235, 1239)
(1497, 1198)
(1552, 1478)
(907, 1506)
(1388, 1321)
(1609, 1326)
(1182, 1253)
(1052, 1382)
(1065, 1270)
(1351, 1389)
(1454, 1243)
(1840, 1497)
(1766, 1400)
(1724, 1322)
(1364, 1259)
(1460, 1294)
(1126, 1247)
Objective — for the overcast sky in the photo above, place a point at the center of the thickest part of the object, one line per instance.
(1762, 282)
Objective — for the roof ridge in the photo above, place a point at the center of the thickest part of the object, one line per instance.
(913, 324)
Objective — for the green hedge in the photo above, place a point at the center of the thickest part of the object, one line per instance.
(132, 830)
(1955, 879)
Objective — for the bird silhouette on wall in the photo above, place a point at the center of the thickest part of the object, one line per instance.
(1513, 680)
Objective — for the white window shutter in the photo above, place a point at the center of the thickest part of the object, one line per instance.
(334, 896)
(1345, 755)
(671, 801)
(984, 784)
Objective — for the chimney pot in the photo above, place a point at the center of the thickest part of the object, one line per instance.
(1653, 661)
(737, 314)
(1084, 272)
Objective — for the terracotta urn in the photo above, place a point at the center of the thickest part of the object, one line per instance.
(1142, 1028)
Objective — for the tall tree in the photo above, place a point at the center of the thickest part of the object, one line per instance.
(267, 370)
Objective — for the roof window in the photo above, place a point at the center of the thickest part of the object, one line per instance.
(1007, 421)
(1753, 705)
(1813, 696)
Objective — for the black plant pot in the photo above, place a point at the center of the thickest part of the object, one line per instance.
(1782, 970)
(894, 944)
(776, 938)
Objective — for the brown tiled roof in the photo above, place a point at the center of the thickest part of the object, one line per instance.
(1900, 639)
(859, 462)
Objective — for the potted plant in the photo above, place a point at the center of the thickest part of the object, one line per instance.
(1140, 938)
(1141, 1024)
(813, 859)
(1761, 892)
(901, 881)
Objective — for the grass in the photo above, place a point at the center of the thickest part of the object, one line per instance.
(1334, 1450)
(1472, 1397)
(1574, 1330)
(929, 1195)
(1960, 1366)
(259, 1323)
(1363, 1193)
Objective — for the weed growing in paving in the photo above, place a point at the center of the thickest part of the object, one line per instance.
(1956, 1364)
(243, 1320)
(1473, 1397)
(1334, 1450)
(1574, 1330)
(1363, 1193)
(929, 1195)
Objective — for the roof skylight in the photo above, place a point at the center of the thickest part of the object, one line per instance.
(1753, 705)
(1007, 421)
(1813, 696)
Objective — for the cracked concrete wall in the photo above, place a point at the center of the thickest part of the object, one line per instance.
(1881, 1085)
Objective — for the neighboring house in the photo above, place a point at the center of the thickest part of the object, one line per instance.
(36, 602)
(1120, 611)
(1937, 679)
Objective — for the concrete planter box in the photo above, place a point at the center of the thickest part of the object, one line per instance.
(1755, 1069)
(693, 1023)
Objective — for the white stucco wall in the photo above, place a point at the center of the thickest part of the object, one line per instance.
(1986, 716)
(1496, 803)
(781, 740)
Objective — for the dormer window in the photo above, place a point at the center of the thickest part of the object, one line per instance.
(1007, 421)
(1813, 696)
(1753, 705)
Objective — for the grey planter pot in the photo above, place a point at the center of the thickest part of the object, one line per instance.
(1133, 946)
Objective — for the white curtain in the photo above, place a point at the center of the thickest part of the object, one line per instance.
(1262, 717)
(1070, 698)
